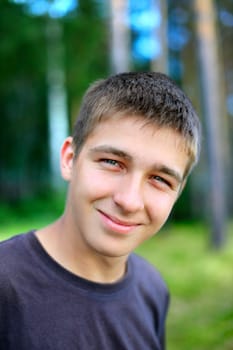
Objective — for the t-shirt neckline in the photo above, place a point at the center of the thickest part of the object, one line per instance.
(52, 266)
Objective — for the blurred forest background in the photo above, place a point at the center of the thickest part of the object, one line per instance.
(50, 51)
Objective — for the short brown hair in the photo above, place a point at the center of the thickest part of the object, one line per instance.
(148, 95)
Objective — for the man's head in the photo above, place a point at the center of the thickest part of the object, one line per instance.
(151, 96)
(134, 143)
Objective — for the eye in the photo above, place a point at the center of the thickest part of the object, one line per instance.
(161, 181)
(111, 163)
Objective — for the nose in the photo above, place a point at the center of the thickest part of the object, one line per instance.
(129, 194)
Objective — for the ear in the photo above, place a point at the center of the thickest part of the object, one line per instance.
(67, 158)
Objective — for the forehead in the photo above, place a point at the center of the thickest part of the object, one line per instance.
(142, 141)
(122, 127)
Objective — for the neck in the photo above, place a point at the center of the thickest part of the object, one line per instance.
(65, 247)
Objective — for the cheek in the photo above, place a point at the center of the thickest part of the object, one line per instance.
(160, 209)
(94, 184)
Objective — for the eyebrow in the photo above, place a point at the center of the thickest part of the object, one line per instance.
(171, 172)
(111, 150)
(120, 153)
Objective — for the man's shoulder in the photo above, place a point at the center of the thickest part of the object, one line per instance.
(12, 251)
(140, 262)
(11, 243)
(147, 273)
(13, 256)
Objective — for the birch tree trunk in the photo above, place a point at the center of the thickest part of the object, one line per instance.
(119, 36)
(57, 99)
(160, 64)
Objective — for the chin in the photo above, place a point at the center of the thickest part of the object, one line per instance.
(113, 253)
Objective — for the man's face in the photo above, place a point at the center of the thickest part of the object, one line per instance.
(123, 184)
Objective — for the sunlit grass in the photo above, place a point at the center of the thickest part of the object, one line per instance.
(200, 279)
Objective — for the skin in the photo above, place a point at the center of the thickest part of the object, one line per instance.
(122, 187)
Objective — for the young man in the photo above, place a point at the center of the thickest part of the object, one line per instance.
(76, 284)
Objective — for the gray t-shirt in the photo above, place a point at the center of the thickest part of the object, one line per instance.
(43, 306)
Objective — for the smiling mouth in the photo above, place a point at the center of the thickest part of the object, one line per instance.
(117, 225)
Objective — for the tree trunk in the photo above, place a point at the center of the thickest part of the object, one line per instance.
(119, 38)
(160, 64)
(211, 87)
(57, 99)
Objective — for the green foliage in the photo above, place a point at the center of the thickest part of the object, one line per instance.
(87, 52)
(30, 214)
(24, 159)
(22, 100)
(200, 282)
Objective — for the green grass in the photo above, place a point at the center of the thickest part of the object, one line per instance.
(200, 279)
(30, 214)
(201, 285)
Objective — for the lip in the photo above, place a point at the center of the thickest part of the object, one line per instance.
(114, 224)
